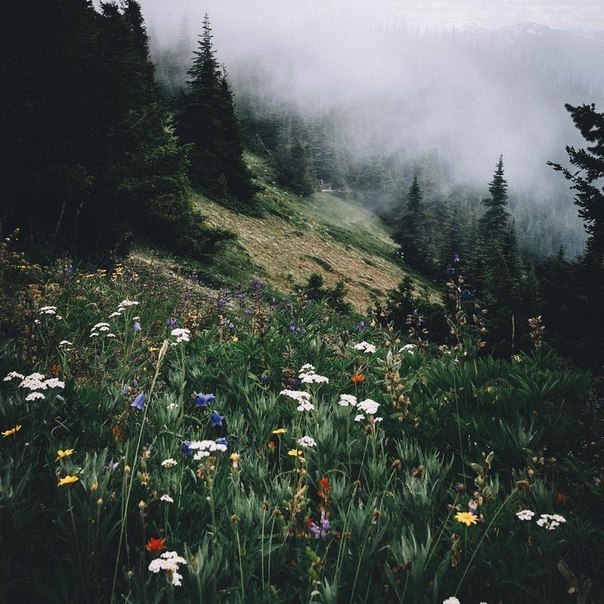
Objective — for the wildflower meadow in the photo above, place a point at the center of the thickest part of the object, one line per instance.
(161, 442)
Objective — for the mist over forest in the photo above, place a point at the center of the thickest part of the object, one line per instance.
(443, 102)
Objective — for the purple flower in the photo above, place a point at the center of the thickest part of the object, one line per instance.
(360, 327)
(139, 401)
(320, 531)
(216, 419)
(456, 257)
(202, 400)
(473, 507)
(222, 441)
(172, 323)
(186, 450)
(265, 379)
(112, 465)
(137, 327)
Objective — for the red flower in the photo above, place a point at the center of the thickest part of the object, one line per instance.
(561, 497)
(117, 434)
(323, 492)
(155, 545)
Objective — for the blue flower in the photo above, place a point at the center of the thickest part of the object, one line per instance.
(137, 327)
(139, 401)
(186, 450)
(216, 419)
(202, 400)
(222, 441)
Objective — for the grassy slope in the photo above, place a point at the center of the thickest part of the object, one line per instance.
(319, 234)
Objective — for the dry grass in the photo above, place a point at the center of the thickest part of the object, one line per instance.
(290, 249)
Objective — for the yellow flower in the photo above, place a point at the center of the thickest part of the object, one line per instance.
(12, 431)
(61, 454)
(67, 480)
(466, 517)
(235, 459)
(294, 452)
(279, 431)
(234, 339)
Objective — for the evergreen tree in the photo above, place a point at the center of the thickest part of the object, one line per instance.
(410, 233)
(493, 223)
(208, 123)
(585, 180)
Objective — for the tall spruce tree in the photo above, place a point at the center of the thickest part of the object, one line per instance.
(410, 234)
(493, 224)
(208, 123)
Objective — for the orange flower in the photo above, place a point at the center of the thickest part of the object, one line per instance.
(357, 378)
(561, 497)
(155, 545)
(323, 492)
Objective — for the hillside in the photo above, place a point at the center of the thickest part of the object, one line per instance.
(322, 234)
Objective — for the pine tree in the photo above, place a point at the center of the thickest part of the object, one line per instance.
(208, 123)
(410, 234)
(494, 221)
(590, 169)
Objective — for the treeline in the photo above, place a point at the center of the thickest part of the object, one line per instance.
(91, 155)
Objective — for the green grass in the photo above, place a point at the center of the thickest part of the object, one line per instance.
(366, 514)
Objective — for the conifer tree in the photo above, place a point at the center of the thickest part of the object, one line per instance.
(208, 123)
(409, 233)
(494, 221)
(586, 179)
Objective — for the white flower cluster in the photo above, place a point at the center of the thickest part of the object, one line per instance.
(170, 562)
(365, 347)
(65, 345)
(307, 375)
(166, 498)
(550, 521)
(168, 463)
(182, 334)
(124, 304)
(301, 397)
(307, 441)
(49, 310)
(347, 400)
(451, 600)
(101, 328)
(547, 521)
(34, 382)
(370, 407)
(204, 448)
(410, 348)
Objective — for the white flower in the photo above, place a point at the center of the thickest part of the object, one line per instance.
(297, 395)
(115, 314)
(54, 383)
(181, 334)
(307, 375)
(172, 406)
(347, 400)
(12, 375)
(48, 310)
(550, 521)
(126, 304)
(451, 600)
(369, 406)
(100, 327)
(525, 514)
(410, 348)
(65, 344)
(307, 441)
(203, 448)
(35, 381)
(365, 347)
(305, 406)
(359, 418)
(111, 335)
(168, 463)
(170, 562)
(32, 396)
(166, 498)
